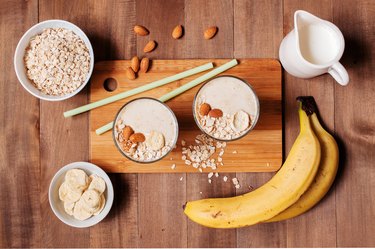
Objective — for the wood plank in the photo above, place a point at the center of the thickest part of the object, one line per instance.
(161, 220)
(317, 227)
(257, 34)
(19, 136)
(114, 21)
(260, 150)
(200, 15)
(354, 125)
(66, 140)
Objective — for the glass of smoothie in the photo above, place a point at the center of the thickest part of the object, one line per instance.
(226, 108)
(145, 130)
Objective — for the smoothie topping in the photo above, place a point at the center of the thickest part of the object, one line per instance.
(223, 125)
(139, 146)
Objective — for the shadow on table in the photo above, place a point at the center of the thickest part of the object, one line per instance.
(122, 196)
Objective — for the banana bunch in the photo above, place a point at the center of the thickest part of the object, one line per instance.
(303, 180)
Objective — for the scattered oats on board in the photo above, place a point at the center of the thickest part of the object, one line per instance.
(200, 154)
(234, 152)
(181, 178)
(225, 178)
(183, 142)
(209, 181)
(216, 174)
(173, 166)
(210, 174)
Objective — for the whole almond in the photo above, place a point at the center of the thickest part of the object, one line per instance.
(177, 32)
(130, 74)
(204, 109)
(134, 64)
(210, 32)
(137, 138)
(145, 63)
(215, 113)
(140, 30)
(127, 132)
(149, 46)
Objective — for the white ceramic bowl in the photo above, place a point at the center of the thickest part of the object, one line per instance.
(58, 206)
(19, 64)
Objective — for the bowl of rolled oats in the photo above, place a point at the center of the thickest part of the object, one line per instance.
(54, 60)
(226, 108)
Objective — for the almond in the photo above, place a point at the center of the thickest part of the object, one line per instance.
(134, 64)
(130, 73)
(145, 63)
(215, 113)
(177, 32)
(150, 46)
(204, 109)
(127, 132)
(140, 30)
(210, 32)
(137, 138)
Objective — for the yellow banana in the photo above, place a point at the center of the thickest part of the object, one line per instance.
(324, 178)
(284, 189)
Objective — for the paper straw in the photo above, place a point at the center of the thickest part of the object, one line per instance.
(182, 89)
(138, 90)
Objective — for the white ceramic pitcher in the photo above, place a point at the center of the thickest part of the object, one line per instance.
(312, 48)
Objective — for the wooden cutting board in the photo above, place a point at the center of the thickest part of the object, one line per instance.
(259, 151)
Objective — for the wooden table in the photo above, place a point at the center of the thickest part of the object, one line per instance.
(36, 140)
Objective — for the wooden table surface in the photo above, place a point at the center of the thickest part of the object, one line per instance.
(35, 139)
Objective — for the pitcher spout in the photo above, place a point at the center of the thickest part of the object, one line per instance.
(303, 18)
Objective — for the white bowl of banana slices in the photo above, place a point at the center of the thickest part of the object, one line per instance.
(81, 194)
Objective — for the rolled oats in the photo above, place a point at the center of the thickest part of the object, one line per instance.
(57, 61)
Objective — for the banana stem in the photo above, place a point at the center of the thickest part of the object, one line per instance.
(308, 104)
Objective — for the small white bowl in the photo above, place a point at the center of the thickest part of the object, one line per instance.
(58, 206)
(19, 64)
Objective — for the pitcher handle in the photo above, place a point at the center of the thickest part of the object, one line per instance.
(339, 73)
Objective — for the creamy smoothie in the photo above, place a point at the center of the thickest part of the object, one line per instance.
(145, 130)
(226, 108)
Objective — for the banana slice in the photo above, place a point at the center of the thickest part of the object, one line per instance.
(80, 212)
(155, 140)
(241, 121)
(91, 200)
(69, 207)
(77, 179)
(97, 183)
(101, 206)
(67, 194)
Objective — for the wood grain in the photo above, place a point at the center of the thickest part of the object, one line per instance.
(258, 35)
(147, 210)
(67, 137)
(20, 212)
(308, 230)
(354, 125)
(260, 150)
(161, 221)
(199, 15)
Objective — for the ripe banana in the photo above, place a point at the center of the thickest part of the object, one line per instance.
(284, 189)
(324, 178)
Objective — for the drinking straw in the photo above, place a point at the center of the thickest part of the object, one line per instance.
(182, 89)
(138, 90)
